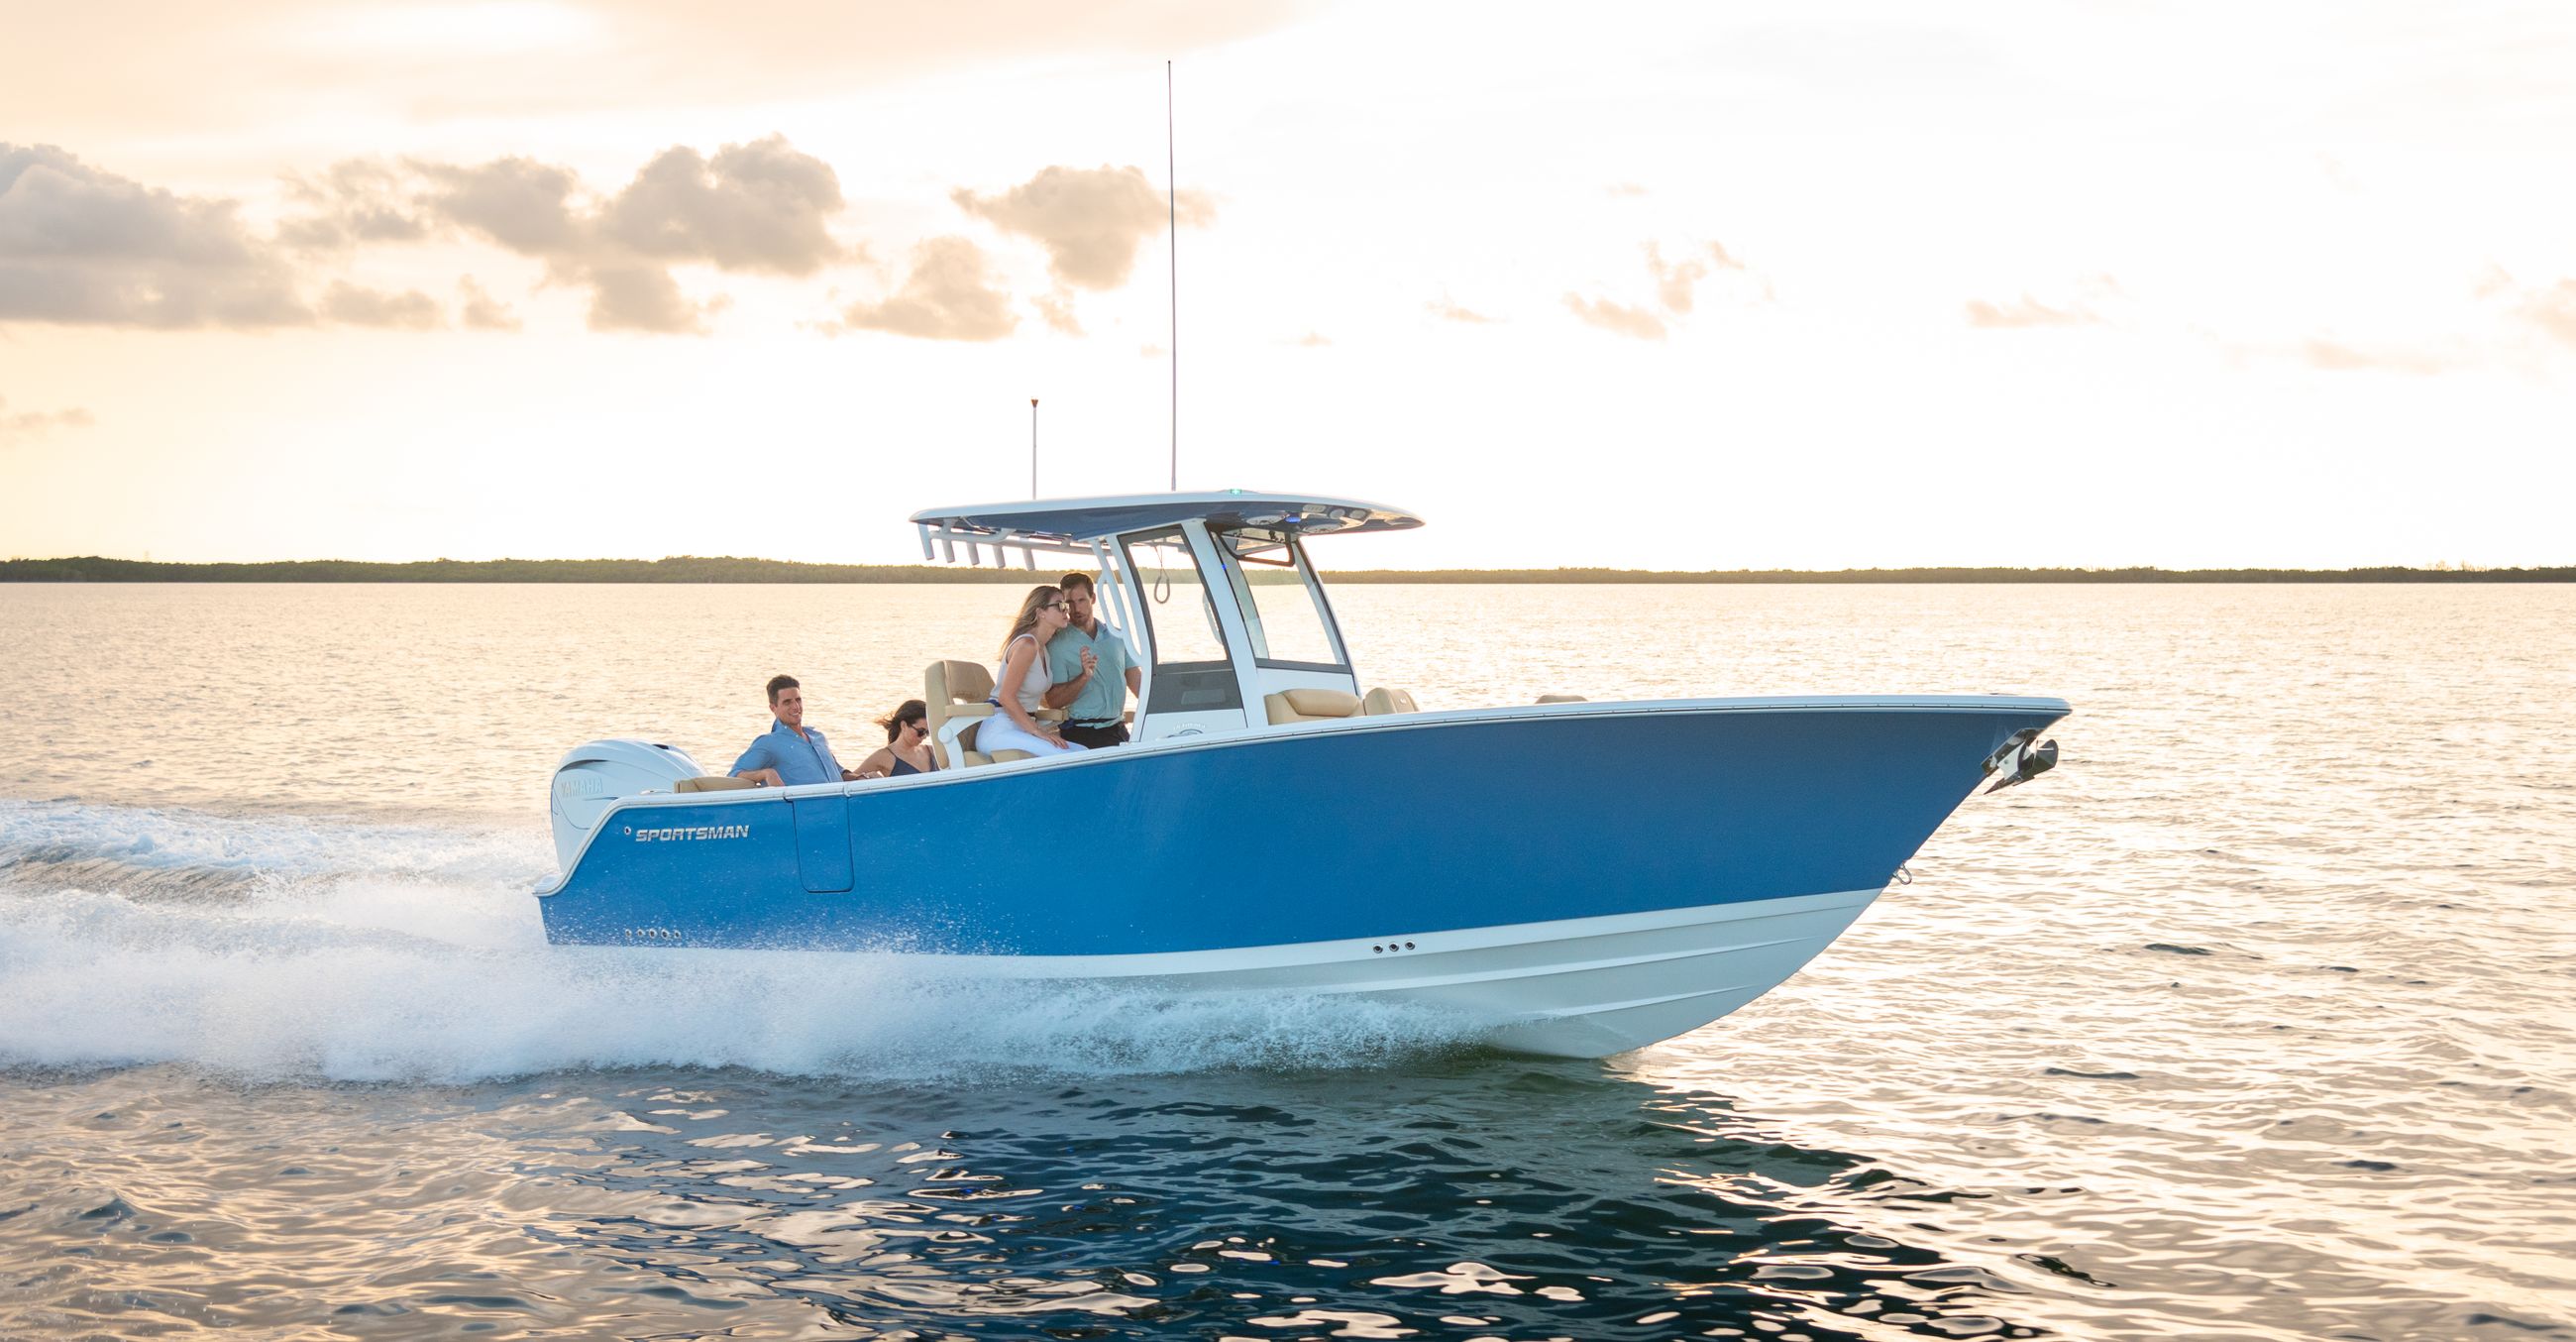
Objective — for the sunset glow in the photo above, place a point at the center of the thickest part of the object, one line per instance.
(1682, 287)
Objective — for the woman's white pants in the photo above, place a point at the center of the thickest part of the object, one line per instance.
(1000, 733)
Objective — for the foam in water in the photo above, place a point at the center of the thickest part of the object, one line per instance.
(374, 952)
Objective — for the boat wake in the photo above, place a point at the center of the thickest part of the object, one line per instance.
(295, 947)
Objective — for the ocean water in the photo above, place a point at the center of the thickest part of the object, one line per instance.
(2255, 1019)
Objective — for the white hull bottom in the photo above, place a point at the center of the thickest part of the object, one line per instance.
(1574, 987)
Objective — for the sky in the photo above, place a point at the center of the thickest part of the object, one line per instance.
(1683, 286)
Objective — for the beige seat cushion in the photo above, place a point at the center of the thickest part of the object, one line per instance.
(712, 783)
(960, 690)
(1308, 705)
(1382, 701)
(950, 690)
(953, 682)
(1563, 699)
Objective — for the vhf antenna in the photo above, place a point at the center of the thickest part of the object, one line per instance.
(1172, 208)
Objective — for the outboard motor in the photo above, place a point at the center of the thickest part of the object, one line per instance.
(595, 773)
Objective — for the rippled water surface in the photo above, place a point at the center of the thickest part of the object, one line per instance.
(2256, 1019)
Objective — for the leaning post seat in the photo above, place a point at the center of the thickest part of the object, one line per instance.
(1381, 701)
(1310, 705)
(959, 697)
(956, 694)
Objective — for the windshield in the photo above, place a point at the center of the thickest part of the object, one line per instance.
(1283, 605)
(1191, 669)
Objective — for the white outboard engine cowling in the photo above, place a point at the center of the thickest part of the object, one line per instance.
(595, 773)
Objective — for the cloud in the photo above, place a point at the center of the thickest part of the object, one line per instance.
(2340, 358)
(2029, 312)
(2548, 311)
(519, 203)
(355, 200)
(948, 296)
(481, 311)
(645, 299)
(1057, 309)
(30, 425)
(760, 206)
(2553, 310)
(1616, 317)
(1673, 283)
(410, 310)
(1448, 311)
(1090, 220)
(79, 245)
(1676, 291)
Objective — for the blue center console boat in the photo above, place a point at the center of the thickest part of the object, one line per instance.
(1285, 829)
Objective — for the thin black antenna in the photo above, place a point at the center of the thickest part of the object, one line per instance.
(1033, 447)
(1172, 206)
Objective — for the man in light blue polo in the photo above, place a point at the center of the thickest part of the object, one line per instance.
(1093, 668)
(790, 754)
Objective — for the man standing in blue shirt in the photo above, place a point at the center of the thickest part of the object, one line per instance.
(1093, 668)
(790, 754)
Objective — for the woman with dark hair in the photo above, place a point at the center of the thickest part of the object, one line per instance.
(1020, 683)
(907, 748)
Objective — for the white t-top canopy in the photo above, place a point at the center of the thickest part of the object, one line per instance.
(1085, 520)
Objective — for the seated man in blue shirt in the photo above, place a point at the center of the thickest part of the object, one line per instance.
(1093, 668)
(790, 754)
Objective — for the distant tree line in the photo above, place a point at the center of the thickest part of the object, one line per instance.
(727, 569)
(677, 568)
(1963, 575)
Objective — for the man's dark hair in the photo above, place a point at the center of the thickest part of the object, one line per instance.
(777, 683)
(1073, 580)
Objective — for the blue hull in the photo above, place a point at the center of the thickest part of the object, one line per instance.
(1366, 828)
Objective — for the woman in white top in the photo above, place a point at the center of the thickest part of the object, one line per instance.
(1020, 683)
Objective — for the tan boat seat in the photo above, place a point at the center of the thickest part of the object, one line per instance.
(955, 693)
(1563, 699)
(1310, 705)
(1381, 701)
(958, 696)
(713, 783)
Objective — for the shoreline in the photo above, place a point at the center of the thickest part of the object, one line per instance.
(730, 570)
